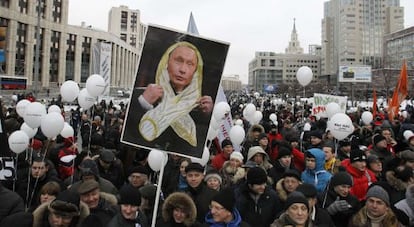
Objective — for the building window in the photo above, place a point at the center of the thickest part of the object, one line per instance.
(23, 6)
(86, 56)
(41, 34)
(54, 56)
(70, 57)
(57, 11)
(124, 20)
(124, 37)
(42, 8)
(133, 40)
(5, 3)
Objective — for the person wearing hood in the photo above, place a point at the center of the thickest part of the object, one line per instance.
(89, 170)
(399, 179)
(223, 212)
(407, 205)
(260, 157)
(315, 172)
(252, 138)
(338, 201)
(178, 210)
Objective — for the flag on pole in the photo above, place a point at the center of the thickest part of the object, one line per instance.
(192, 27)
(374, 104)
(400, 92)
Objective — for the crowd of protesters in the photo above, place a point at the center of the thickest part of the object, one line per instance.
(282, 175)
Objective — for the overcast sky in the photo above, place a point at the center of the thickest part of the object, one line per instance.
(247, 25)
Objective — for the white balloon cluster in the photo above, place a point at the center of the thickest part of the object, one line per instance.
(273, 118)
(251, 114)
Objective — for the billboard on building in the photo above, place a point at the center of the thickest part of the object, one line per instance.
(3, 34)
(355, 74)
(270, 88)
(102, 59)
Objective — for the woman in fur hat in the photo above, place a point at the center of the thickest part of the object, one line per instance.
(178, 210)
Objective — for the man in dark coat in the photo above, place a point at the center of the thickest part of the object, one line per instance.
(257, 203)
(198, 190)
(11, 202)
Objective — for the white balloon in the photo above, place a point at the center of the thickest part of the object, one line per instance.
(407, 134)
(52, 124)
(332, 108)
(69, 91)
(404, 114)
(237, 134)
(239, 122)
(220, 110)
(14, 98)
(34, 113)
(341, 126)
(273, 117)
(21, 107)
(204, 159)
(18, 141)
(367, 117)
(304, 75)
(212, 133)
(67, 158)
(54, 108)
(307, 127)
(67, 131)
(275, 123)
(249, 110)
(95, 84)
(85, 100)
(257, 117)
(155, 159)
(215, 124)
(30, 132)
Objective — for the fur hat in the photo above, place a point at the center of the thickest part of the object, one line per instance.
(130, 195)
(256, 175)
(226, 142)
(378, 192)
(213, 174)
(296, 197)
(237, 155)
(225, 198)
(341, 178)
(66, 203)
(179, 200)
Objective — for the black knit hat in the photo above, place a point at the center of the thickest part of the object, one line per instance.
(357, 155)
(226, 142)
(262, 135)
(66, 203)
(308, 190)
(197, 167)
(138, 169)
(296, 197)
(377, 138)
(130, 195)
(89, 167)
(283, 151)
(256, 175)
(225, 198)
(341, 178)
(316, 133)
(292, 173)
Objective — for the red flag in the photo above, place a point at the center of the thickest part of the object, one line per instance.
(400, 92)
(374, 104)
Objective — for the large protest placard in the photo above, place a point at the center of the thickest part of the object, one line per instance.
(321, 100)
(174, 92)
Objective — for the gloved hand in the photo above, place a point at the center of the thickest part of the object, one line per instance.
(338, 206)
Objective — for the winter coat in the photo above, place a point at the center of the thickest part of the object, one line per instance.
(407, 205)
(250, 140)
(114, 174)
(236, 222)
(277, 171)
(181, 200)
(285, 221)
(219, 160)
(40, 215)
(321, 218)
(20, 219)
(361, 219)
(230, 175)
(171, 177)
(266, 161)
(361, 180)
(318, 176)
(258, 212)
(340, 219)
(11, 202)
(202, 196)
(119, 221)
(107, 207)
(398, 187)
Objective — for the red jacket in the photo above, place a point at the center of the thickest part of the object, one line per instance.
(298, 159)
(361, 179)
(218, 161)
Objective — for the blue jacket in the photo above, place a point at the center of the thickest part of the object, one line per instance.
(318, 176)
(236, 222)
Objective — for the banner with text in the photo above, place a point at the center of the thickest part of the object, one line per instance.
(321, 100)
(7, 171)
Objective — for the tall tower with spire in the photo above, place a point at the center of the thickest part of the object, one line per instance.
(294, 45)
